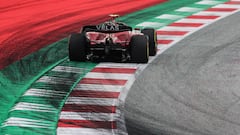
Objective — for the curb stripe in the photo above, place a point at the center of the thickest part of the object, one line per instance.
(208, 2)
(169, 16)
(232, 6)
(87, 124)
(188, 9)
(189, 20)
(44, 93)
(178, 24)
(222, 9)
(102, 81)
(233, 2)
(92, 101)
(68, 69)
(117, 65)
(170, 37)
(114, 70)
(24, 122)
(86, 131)
(176, 28)
(89, 108)
(33, 107)
(55, 80)
(153, 24)
(89, 116)
(114, 76)
(178, 33)
(96, 94)
(215, 13)
(203, 17)
(164, 41)
(98, 87)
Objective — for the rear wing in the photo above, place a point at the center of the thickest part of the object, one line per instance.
(99, 28)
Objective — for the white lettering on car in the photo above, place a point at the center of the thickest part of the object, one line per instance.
(108, 27)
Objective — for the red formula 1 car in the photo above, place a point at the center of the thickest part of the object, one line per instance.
(113, 40)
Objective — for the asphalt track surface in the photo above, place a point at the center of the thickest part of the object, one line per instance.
(192, 88)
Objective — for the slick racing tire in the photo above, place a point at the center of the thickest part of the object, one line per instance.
(152, 37)
(77, 47)
(139, 49)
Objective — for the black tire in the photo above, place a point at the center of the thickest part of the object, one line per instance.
(77, 47)
(139, 49)
(152, 37)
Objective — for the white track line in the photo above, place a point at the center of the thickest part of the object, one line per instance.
(44, 93)
(169, 16)
(85, 131)
(33, 107)
(54, 80)
(98, 87)
(92, 101)
(187, 20)
(118, 65)
(188, 9)
(215, 13)
(227, 6)
(24, 122)
(68, 69)
(89, 116)
(174, 28)
(151, 24)
(116, 76)
(170, 37)
(208, 2)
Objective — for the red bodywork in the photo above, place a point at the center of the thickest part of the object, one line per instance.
(122, 38)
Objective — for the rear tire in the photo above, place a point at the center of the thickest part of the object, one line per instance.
(77, 47)
(152, 37)
(139, 49)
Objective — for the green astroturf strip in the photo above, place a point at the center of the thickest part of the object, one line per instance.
(152, 12)
(20, 76)
(49, 103)
(17, 78)
(60, 87)
(28, 131)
